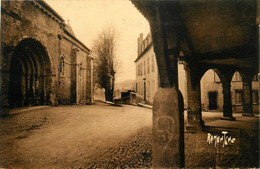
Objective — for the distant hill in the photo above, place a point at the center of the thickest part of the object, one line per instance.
(127, 84)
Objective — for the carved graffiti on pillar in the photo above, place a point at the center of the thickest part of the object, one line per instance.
(164, 126)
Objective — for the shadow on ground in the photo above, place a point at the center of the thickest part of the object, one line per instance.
(136, 151)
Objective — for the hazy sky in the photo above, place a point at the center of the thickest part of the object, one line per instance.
(88, 17)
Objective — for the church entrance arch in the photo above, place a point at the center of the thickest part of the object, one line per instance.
(30, 75)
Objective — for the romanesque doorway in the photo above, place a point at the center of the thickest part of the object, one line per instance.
(16, 96)
(213, 105)
(30, 75)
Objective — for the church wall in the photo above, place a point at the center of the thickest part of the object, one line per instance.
(28, 20)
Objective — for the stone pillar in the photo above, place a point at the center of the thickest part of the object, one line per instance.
(194, 117)
(27, 84)
(247, 97)
(168, 118)
(227, 102)
(74, 79)
(168, 133)
(31, 91)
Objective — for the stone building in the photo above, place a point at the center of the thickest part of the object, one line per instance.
(42, 61)
(146, 70)
(212, 96)
(217, 35)
(147, 77)
(147, 82)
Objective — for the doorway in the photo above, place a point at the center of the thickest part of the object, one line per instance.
(16, 96)
(213, 104)
(144, 91)
(30, 75)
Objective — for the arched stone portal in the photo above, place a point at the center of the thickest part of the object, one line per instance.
(30, 75)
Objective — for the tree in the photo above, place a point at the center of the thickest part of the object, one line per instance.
(105, 63)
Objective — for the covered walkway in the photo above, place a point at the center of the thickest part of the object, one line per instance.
(242, 122)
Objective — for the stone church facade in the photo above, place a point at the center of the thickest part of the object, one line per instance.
(42, 62)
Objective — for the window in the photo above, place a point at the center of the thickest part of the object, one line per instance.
(152, 63)
(136, 87)
(62, 65)
(139, 91)
(144, 67)
(80, 69)
(141, 69)
(139, 72)
(148, 65)
(238, 97)
(255, 96)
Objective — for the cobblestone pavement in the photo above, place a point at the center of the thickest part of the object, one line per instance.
(103, 136)
(133, 152)
(136, 151)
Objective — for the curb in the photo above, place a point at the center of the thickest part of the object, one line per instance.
(145, 105)
(111, 103)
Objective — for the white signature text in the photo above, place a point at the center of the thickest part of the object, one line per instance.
(219, 139)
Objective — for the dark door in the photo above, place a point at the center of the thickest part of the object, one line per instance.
(15, 87)
(213, 105)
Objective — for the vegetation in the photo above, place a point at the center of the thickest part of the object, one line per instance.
(105, 63)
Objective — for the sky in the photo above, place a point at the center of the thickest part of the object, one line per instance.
(89, 17)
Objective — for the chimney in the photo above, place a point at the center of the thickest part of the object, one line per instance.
(139, 43)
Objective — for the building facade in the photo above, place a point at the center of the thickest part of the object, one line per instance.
(147, 77)
(146, 70)
(212, 92)
(42, 61)
(147, 80)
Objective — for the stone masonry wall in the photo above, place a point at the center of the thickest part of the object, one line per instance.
(22, 20)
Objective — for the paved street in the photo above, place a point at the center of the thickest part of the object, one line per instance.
(101, 136)
(67, 136)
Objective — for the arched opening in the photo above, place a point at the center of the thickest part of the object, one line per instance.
(30, 75)
(211, 92)
(237, 92)
(244, 94)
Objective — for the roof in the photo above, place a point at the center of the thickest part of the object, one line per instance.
(76, 39)
(144, 51)
(69, 29)
(50, 9)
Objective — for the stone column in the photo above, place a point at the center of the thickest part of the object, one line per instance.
(27, 84)
(31, 93)
(227, 102)
(168, 121)
(247, 97)
(194, 117)
(168, 129)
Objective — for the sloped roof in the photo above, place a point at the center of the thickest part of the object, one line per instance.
(69, 29)
(50, 9)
